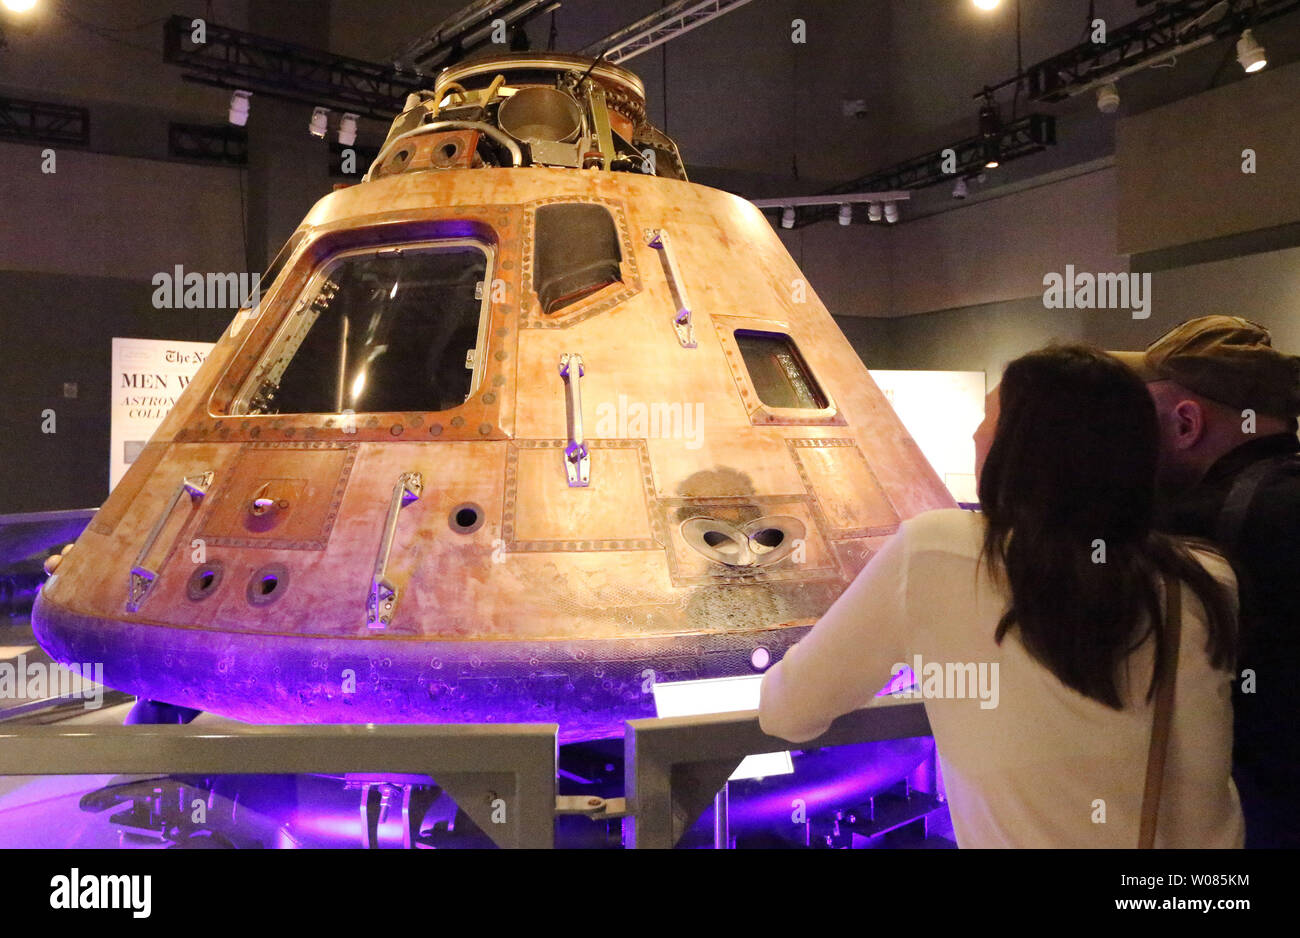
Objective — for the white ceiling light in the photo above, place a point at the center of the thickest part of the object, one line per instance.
(1108, 98)
(987, 4)
(960, 191)
(879, 203)
(1250, 53)
(320, 122)
(348, 129)
(238, 114)
(19, 6)
(891, 212)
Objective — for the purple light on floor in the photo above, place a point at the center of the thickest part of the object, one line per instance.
(331, 827)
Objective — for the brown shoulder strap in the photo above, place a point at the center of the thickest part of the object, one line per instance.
(1163, 715)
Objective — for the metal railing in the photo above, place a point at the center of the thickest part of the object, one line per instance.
(502, 775)
(674, 767)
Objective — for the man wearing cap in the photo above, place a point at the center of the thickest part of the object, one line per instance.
(1230, 473)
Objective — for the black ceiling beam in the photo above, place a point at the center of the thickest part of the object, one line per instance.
(1156, 35)
(237, 60)
(42, 122)
(467, 30)
(219, 143)
(1030, 134)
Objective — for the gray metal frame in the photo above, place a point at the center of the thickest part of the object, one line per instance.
(659, 27)
(475, 764)
(673, 768)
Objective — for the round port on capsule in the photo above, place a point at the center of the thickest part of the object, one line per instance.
(466, 518)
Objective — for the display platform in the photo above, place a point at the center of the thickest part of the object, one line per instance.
(216, 783)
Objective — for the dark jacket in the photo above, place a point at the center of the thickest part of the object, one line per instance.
(1266, 555)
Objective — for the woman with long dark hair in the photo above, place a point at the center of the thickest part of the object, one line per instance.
(1039, 628)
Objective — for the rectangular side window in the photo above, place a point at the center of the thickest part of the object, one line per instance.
(380, 330)
(575, 253)
(778, 372)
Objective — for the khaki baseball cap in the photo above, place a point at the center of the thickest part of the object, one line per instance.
(1227, 359)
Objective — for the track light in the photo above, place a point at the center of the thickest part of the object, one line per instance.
(960, 191)
(348, 129)
(992, 153)
(990, 121)
(1250, 53)
(19, 6)
(881, 205)
(991, 131)
(986, 4)
(238, 114)
(320, 122)
(1108, 98)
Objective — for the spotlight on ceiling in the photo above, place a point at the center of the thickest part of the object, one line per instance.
(320, 122)
(787, 217)
(348, 129)
(891, 212)
(238, 114)
(1250, 53)
(846, 215)
(986, 4)
(874, 212)
(19, 6)
(1108, 98)
(960, 191)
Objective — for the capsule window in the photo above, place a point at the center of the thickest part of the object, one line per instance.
(381, 330)
(576, 252)
(778, 372)
(273, 271)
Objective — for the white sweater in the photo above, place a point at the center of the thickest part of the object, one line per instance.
(1045, 764)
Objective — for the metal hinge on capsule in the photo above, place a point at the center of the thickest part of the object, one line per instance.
(658, 239)
(142, 578)
(382, 602)
(577, 460)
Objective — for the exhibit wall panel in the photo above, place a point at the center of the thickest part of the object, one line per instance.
(1000, 249)
(848, 267)
(872, 338)
(1261, 287)
(1264, 288)
(118, 217)
(57, 329)
(982, 338)
(1171, 193)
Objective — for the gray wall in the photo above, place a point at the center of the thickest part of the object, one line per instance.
(1262, 287)
(55, 328)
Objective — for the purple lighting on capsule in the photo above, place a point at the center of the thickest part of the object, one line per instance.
(899, 682)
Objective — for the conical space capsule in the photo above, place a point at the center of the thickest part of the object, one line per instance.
(519, 426)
